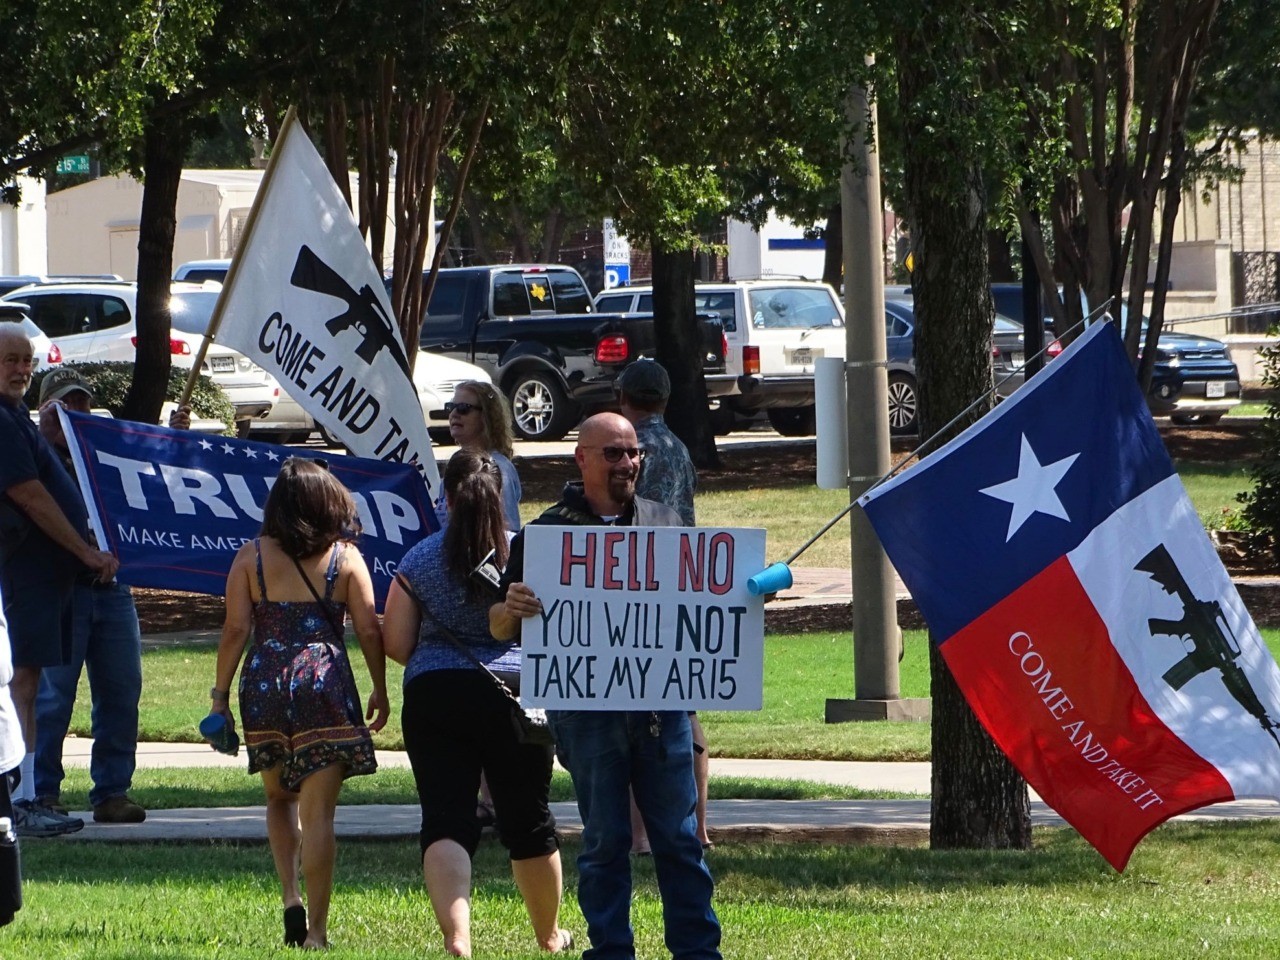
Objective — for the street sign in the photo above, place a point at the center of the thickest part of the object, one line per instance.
(616, 275)
(77, 163)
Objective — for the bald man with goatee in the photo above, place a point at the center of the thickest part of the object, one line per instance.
(608, 752)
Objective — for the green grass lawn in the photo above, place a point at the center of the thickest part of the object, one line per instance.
(1190, 891)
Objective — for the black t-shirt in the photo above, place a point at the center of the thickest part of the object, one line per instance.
(27, 555)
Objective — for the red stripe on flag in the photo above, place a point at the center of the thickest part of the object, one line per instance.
(1041, 673)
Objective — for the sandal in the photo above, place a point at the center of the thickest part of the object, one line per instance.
(566, 941)
(295, 925)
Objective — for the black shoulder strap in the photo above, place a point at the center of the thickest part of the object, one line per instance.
(452, 637)
(324, 606)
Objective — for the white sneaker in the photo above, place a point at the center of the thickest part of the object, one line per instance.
(32, 820)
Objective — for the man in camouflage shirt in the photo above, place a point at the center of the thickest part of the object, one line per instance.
(667, 475)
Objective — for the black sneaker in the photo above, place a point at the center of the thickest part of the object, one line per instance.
(52, 801)
(32, 820)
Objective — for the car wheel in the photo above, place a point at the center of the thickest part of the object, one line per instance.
(440, 437)
(721, 420)
(539, 408)
(281, 437)
(903, 401)
(793, 421)
(1195, 419)
(330, 440)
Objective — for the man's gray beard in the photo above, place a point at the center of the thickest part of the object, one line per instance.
(622, 491)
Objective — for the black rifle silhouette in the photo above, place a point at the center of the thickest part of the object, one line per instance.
(363, 310)
(1213, 645)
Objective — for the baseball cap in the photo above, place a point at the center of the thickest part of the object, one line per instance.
(60, 382)
(645, 380)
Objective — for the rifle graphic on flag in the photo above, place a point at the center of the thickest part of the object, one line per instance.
(1213, 645)
(1051, 547)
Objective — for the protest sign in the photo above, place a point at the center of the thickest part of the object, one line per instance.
(643, 618)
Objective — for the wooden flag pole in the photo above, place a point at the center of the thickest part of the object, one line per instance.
(215, 321)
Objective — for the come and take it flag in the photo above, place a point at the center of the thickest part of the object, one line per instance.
(1079, 604)
(304, 300)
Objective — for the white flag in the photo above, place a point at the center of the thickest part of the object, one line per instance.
(304, 300)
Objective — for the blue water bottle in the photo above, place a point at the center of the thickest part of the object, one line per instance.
(220, 734)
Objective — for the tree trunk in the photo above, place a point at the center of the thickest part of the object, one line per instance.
(164, 143)
(680, 352)
(979, 800)
(833, 249)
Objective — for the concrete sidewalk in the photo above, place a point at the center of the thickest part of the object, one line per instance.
(829, 821)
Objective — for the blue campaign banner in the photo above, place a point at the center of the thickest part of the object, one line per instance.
(174, 506)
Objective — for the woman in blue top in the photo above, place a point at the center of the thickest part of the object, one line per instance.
(457, 723)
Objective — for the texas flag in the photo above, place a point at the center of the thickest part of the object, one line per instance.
(1080, 606)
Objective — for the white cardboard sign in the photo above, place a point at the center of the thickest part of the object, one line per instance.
(643, 618)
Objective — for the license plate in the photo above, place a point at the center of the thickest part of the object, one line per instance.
(223, 364)
(1015, 358)
(1215, 389)
(802, 356)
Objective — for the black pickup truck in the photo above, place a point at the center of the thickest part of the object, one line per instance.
(532, 327)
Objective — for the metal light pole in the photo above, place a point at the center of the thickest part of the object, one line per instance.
(876, 637)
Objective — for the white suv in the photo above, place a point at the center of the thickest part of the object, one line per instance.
(775, 330)
(97, 322)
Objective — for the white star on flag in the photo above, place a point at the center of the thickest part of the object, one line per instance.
(206, 445)
(272, 456)
(228, 448)
(1032, 490)
(251, 453)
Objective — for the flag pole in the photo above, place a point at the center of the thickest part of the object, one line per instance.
(215, 321)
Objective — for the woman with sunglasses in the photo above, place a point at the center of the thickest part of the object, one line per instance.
(457, 722)
(293, 587)
(480, 421)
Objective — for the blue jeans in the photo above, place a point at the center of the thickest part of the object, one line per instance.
(106, 639)
(606, 752)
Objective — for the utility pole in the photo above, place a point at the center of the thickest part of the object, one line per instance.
(876, 637)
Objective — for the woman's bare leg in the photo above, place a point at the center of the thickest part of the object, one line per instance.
(446, 868)
(317, 801)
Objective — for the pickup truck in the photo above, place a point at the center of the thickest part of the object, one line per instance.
(533, 328)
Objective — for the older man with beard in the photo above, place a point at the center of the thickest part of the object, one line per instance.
(609, 752)
(43, 546)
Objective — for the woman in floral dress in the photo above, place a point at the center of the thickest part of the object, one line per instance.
(303, 727)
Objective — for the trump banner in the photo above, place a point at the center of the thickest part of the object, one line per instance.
(1081, 608)
(174, 506)
(304, 300)
(643, 618)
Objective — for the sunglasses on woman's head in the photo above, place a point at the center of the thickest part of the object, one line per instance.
(461, 406)
(320, 462)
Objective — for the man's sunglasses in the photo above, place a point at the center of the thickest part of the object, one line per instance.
(462, 407)
(614, 454)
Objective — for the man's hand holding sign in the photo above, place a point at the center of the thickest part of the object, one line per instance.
(629, 621)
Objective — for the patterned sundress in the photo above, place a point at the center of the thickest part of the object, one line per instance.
(298, 700)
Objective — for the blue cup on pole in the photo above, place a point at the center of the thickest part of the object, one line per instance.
(775, 577)
(220, 734)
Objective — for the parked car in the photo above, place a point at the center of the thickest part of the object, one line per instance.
(532, 327)
(199, 271)
(774, 331)
(97, 321)
(434, 378)
(900, 326)
(1193, 379)
(45, 351)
